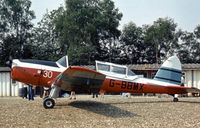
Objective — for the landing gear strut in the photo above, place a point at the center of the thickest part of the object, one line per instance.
(49, 102)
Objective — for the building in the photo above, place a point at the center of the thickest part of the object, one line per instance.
(7, 87)
(192, 75)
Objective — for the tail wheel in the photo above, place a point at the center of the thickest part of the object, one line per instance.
(48, 103)
(175, 100)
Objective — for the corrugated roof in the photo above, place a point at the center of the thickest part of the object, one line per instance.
(157, 66)
(191, 66)
(143, 66)
(5, 69)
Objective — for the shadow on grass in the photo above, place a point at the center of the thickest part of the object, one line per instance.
(158, 102)
(153, 102)
(140, 102)
(102, 109)
(191, 102)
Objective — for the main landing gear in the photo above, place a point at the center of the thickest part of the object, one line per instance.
(175, 99)
(49, 102)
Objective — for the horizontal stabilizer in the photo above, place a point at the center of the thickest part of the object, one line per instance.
(193, 90)
(182, 90)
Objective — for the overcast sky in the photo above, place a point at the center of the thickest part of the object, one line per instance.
(186, 13)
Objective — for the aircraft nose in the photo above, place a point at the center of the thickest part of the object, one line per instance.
(14, 69)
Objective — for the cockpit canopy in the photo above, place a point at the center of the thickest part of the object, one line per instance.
(111, 68)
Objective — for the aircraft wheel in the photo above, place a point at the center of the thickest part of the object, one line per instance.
(48, 103)
(175, 100)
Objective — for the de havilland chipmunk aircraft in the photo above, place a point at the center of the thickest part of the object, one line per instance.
(106, 76)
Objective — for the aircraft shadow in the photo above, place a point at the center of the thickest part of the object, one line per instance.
(191, 102)
(102, 109)
(152, 102)
(141, 102)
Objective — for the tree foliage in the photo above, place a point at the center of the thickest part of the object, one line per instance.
(133, 43)
(87, 30)
(189, 51)
(45, 42)
(162, 37)
(15, 27)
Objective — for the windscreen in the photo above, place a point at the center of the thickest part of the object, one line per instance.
(119, 70)
(62, 61)
(103, 67)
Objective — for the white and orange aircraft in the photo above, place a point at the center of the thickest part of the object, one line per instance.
(106, 76)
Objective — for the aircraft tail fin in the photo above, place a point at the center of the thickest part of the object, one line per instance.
(63, 61)
(170, 71)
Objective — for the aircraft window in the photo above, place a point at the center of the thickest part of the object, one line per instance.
(118, 70)
(103, 67)
(62, 61)
(130, 73)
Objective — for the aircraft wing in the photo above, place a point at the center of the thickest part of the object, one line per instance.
(193, 90)
(80, 79)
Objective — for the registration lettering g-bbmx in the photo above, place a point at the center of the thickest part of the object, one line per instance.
(126, 85)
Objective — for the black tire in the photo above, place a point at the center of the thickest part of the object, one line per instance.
(48, 103)
(175, 100)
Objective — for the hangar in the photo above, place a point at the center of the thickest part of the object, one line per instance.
(7, 87)
(191, 77)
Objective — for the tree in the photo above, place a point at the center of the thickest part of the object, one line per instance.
(162, 36)
(189, 51)
(184, 53)
(196, 45)
(15, 27)
(133, 43)
(88, 24)
(197, 31)
(45, 42)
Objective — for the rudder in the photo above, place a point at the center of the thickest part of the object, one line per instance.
(170, 71)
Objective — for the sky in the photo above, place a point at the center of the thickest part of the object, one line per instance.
(186, 13)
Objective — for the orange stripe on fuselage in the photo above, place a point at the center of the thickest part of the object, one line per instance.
(113, 85)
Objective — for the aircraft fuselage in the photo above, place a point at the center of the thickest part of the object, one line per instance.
(44, 73)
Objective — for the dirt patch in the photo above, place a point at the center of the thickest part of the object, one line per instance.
(110, 111)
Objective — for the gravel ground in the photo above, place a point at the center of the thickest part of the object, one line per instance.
(110, 112)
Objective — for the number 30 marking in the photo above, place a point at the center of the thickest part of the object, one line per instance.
(48, 74)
